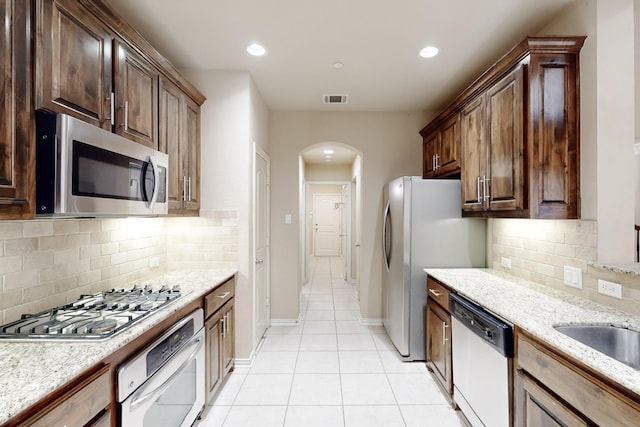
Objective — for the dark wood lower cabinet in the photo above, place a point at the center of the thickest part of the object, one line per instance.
(539, 408)
(84, 405)
(439, 344)
(553, 390)
(220, 341)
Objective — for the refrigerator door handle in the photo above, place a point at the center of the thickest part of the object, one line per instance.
(386, 235)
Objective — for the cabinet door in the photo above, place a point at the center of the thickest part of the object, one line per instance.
(429, 147)
(538, 408)
(447, 160)
(439, 344)
(228, 340)
(191, 150)
(506, 165)
(73, 62)
(170, 139)
(213, 354)
(474, 154)
(16, 142)
(554, 168)
(136, 85)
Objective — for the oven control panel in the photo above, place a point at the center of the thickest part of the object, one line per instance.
(135, 371)
(168, 347)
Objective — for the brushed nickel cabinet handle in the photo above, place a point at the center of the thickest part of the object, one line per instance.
(444, 333)
(435, 293)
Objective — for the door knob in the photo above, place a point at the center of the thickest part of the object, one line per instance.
(259, 261)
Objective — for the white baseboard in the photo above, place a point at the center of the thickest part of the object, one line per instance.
(286, 321)
(370, 321)
(245, 363)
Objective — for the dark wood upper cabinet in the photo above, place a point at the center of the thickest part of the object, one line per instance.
(90, 64)
(17, 188)
(441, 146)
(474, 154)
(180, 138)
(73, 62)
(519, 136)
(136, 88)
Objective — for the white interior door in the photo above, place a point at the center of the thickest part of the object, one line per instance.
(261, 242)
(327, 215)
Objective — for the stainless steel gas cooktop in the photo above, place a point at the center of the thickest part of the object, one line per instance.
(92, 317)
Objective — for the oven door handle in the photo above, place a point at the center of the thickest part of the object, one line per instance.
(142, 395)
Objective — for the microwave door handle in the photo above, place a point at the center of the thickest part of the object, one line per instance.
(156, 181)
(142, 395)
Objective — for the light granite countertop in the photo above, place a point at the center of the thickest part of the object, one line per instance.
(536, 308)
(31, 370)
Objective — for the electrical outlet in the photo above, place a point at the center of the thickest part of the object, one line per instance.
(154, 262)
(506, 262)
(610, 288)
(573, 277)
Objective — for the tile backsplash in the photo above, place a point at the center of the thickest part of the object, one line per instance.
(539, 250)
(45, 263)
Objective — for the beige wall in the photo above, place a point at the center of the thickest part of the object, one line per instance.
(233, 118)
(315, 172)
(390, 146)
(45, 263)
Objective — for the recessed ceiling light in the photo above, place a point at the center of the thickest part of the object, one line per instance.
(429, 52)
(328, 151)
(256, 50)
(338, 65)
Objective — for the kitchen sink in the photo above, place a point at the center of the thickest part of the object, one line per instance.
(619, 343)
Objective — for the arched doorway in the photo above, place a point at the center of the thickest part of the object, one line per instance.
(330, 204)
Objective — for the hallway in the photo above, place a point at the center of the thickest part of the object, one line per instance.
(329, 371)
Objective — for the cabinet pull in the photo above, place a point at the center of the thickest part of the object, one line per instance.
(222, 326)
(437, 156)
(189, 199)
(126, 115)
(435, 293)
(112, 108)
(224, 295)
(184, 188)
(444, 333)
(433, 162)
(479, 202)
(484, 187)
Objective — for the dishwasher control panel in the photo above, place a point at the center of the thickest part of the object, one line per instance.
(494, 331)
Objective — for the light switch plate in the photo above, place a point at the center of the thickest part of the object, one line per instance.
(573, 277)
(610, 288)
(506, 262)
(287, 219)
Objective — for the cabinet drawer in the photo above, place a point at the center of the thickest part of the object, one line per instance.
(218, 297)
(81, 404)
(585, 392)
(438, 293)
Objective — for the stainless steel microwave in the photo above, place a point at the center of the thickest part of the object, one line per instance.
(86, 171)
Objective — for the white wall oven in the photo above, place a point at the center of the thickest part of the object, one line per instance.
(163, 385)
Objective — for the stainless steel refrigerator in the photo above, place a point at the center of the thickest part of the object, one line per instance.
(422, 227)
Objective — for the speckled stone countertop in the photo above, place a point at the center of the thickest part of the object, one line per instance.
(536, 308)
(31, 370)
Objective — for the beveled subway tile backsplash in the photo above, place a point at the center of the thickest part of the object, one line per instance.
(48, 262)
(539, 250)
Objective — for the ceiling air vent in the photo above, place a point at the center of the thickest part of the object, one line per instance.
(335, 99)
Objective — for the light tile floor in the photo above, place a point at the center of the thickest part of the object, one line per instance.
(329, 371)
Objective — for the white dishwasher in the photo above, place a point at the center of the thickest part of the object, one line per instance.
(482, 358)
